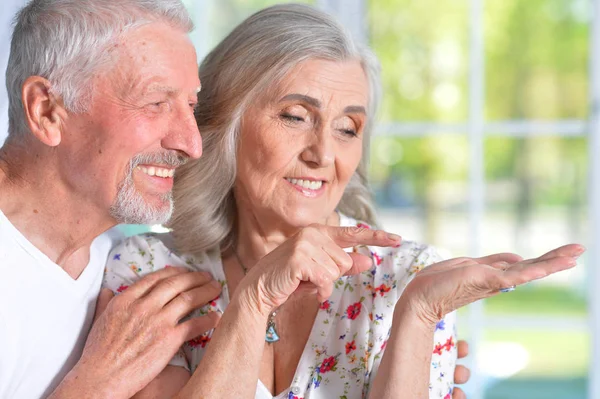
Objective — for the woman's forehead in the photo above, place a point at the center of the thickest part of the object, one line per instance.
(321, 79)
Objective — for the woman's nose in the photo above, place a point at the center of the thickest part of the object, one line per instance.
(320, 150)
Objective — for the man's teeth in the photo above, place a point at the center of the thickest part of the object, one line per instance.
(312, 185)
(156, 171)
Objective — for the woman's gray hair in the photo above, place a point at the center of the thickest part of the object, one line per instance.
(65, 41)
(249, 62)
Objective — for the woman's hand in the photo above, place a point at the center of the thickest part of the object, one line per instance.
(310, 260)
(446, 286)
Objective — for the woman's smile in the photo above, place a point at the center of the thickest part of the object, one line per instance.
(308, 187)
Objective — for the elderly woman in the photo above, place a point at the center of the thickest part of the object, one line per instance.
(286, 112)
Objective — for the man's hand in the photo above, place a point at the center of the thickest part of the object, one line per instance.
(461, 372)
(137, 332)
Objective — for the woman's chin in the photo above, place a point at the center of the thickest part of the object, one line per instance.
(303, 218)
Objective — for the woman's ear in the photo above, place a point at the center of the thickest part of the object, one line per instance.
(43, 110)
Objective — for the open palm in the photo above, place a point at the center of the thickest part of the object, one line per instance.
(446, 286)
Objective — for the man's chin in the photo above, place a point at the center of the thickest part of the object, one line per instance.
(140, 211)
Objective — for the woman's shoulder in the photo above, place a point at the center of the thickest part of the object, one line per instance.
(137, 256)
(141, 246)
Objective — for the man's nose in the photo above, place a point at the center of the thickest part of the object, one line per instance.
(184, 136)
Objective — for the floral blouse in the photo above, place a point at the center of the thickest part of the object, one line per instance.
(349, 334)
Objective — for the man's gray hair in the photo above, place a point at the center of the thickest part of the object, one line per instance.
(245, 66)
(65, 42)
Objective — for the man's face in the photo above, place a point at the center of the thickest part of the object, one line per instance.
(121, 155)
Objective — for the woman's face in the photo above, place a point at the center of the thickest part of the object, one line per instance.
(299, 149)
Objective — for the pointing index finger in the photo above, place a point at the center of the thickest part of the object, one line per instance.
(351, 236)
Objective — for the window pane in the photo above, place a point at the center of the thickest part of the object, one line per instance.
(214, 19)
(536, 58)
(535, 201)
(423, 47)
(535, 364)
(420, 186)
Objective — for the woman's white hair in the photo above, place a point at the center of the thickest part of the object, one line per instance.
(248, 63)
(65, 41)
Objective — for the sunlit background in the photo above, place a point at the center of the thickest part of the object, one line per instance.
(483, 146)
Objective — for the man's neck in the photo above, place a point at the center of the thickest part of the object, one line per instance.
(61, 224)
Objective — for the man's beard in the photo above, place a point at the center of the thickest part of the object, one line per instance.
(130, 206)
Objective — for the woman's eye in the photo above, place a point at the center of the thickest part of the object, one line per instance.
(349, 132)
(292, 118)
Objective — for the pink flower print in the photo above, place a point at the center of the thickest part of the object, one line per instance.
(363, 226)
(213, 303)
(328, 365)
(354, 310)
(122, 288)
(350, 346)
(200, 341)
(378, 259)
(382, 289)
(325, 305)
(447, 346)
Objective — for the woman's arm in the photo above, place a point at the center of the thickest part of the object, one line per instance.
(404, 369)
(166, 385)
(231, 364)
(438, 290)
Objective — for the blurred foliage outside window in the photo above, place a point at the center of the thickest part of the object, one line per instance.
(536, 68)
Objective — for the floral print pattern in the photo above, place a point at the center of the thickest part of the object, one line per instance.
(350, 332)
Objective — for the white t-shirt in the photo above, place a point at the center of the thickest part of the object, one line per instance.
(45, 315)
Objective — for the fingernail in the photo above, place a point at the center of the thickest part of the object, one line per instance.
(579, 251)
(216, 284)
(207, 275)
(394, 237)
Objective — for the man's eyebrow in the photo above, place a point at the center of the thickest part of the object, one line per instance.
(154, 88)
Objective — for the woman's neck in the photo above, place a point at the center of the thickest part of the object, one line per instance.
(257, 236)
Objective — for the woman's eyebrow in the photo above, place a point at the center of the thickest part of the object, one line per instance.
(302, 97)
(351, 109)
(355, 109)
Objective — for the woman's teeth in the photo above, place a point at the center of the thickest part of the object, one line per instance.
(312, 185)
(156, 171)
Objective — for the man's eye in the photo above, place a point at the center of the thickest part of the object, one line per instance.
(159, 105)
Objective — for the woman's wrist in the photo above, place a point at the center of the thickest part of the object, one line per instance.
(246, 300)
(412, 312)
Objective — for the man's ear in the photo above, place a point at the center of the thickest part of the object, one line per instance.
(44, 112)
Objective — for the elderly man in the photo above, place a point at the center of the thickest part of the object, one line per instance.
(101, 99)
